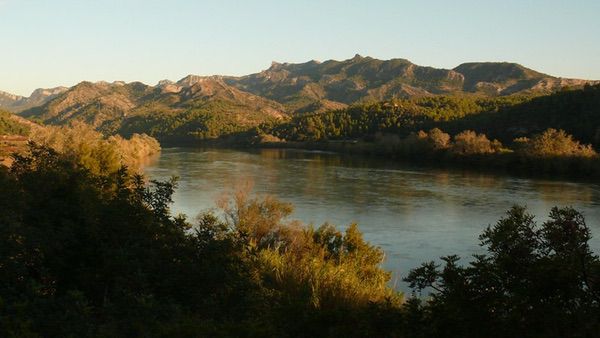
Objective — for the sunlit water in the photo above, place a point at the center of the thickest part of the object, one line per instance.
(415, 214)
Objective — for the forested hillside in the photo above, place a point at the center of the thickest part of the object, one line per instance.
(194, 108)
(506, 118)
(200, 108)
(575, 111)
(553, 134)
(400, 116)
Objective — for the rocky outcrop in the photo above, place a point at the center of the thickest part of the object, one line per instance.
(16, 103)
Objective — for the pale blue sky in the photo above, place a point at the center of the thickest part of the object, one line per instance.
(46, 43)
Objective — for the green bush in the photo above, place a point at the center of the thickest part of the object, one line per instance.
(534, 281)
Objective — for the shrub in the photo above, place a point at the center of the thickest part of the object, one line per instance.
(438, 139)
(555, 143)
(469, 142)
(91, 149)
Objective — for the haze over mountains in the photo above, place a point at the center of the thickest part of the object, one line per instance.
(193, 103)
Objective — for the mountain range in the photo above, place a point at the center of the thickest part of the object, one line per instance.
(17, 103)
(210, 106)
(299, 86)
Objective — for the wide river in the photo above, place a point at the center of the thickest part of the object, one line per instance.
(415, 214)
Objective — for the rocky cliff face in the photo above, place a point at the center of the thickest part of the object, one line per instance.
(16, 103)
(113, 107)
(366, 79)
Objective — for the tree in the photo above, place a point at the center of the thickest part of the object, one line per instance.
(534, 281)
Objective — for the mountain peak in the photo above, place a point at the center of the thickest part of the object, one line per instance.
(17, 103)
(9, 96)
(164, 82)
(43, 92)
(191, 79)
(499, 77)
(493, 70)
(303, 86)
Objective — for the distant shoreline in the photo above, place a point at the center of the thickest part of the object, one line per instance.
(499, 164)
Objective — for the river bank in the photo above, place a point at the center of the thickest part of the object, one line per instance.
(505, 163)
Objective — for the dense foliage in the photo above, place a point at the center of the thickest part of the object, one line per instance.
(397, 116)
(98, 254)
(506, 118)
(534, 281)
(86, 254)
(575, 111)
(519, 134)
(206, 122)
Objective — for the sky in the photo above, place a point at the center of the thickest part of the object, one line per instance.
(48, 43)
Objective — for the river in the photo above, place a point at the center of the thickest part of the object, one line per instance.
(414, 214)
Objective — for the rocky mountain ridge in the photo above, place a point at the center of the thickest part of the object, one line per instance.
(277, 93)
(17, 103)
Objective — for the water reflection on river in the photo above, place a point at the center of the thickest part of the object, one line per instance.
(414, 213)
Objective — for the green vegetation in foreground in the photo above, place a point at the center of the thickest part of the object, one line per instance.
(91, 253)
(87, 254)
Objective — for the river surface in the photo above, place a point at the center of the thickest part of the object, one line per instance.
(415, 214)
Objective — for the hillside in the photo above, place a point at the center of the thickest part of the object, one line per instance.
(204, 107)
(503, 118)
(199, 108)
(209, 107)
(16, 103)
(11, 124)
(8, 100)
(98, 104)
(365, 79)
(346, 82)
(575, 111)
(503, 78)
(14, 131)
